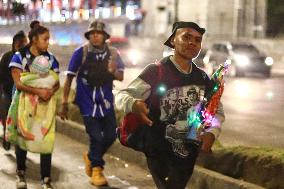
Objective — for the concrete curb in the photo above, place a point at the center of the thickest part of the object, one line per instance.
(201, 178)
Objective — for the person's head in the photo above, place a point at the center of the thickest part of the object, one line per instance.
(39, 38)
(34, 23)
(186, 39)
(97, 33)
(192, 95)
(19, 40)
(40, 65)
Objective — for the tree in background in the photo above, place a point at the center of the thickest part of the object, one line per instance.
(18, 9)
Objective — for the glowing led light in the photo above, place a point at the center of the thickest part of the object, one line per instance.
(215, 88)
(161, 89)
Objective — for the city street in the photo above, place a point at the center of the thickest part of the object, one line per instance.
(254, 112)
(253, 104)
(99, 39)
(68, 169)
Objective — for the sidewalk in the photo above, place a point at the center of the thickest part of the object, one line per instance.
(201, 179)
(68, 169)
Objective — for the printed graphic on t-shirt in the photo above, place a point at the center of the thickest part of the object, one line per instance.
(174, 109)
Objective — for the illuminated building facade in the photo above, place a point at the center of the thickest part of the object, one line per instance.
(68, 10)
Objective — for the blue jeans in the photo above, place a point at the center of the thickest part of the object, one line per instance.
(102, 134)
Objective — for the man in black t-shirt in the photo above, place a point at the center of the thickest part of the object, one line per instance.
(170, 157)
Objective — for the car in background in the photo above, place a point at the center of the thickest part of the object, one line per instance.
(243, 57)
(130, 56)
(197, 60)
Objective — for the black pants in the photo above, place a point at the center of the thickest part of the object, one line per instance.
(45, 162)
(170, 171)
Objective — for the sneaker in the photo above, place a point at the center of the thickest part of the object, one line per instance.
(21, 180)
(98, 178)
(46, 183)
(88, 166)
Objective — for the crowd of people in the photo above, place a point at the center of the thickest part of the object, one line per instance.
(29, 86)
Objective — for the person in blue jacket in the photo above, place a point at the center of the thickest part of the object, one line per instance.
(96, 65)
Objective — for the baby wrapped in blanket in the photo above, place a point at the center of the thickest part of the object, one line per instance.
(35, 117)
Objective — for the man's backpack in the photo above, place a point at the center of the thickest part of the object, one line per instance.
(96, 73)
(132, 130)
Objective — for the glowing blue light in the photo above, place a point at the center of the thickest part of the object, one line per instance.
(161, 89)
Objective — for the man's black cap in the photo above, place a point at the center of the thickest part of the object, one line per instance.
(181, 24)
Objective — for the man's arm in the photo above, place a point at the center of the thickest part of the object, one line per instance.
(66, 91)
(132, 99)
(73, 67)
(118, 75)
(116, 66)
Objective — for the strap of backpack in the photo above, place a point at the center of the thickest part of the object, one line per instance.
(113, 53)
(154, 97)
(160, 70)
(84, 55)
(85, 51)
(26, 59)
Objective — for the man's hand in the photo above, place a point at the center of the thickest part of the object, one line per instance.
(207, 142)
(64, 111)
(112, 67)
(140, 108)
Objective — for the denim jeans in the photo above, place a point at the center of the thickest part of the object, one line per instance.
(102, 134)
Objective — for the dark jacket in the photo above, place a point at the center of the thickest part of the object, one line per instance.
(6, 80)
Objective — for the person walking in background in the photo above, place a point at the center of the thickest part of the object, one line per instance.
(163, 104)
(6, 80)
(96, 65)
(27, 134)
